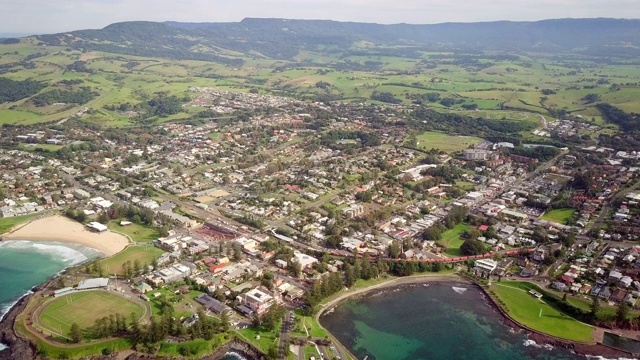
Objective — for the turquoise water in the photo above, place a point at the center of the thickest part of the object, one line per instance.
(25, 264)
(437, 321)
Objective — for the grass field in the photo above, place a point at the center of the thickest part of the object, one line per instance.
(560, 216)
(84, 308)
(539, 316)
(312, 325)
(451, 240)
(267, 338)
(441, 141)
(144, 254)
(137, 232)
(7, 223)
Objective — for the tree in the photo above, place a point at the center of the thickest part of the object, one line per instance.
(595, 306)
(433, 233)
(237, 252)
(295, 268)
(75, 333)
(473, 247)
(623, 312)
(394, 249)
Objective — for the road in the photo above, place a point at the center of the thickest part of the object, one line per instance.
(283, 348)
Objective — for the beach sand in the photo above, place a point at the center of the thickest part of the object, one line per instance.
(61, 229)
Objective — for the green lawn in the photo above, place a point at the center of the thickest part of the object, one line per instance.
(267, 338)
(310, 351)
(183, 304)
(539, 316)
(194, 348)
(315, 330)
(7, 223)
(560, 216)
(215, 136)
(448, 143)
(144, 254)
(137, 232)
(451, 240)
(84, 308)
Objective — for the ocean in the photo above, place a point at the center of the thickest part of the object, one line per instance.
(431, 321)
(25, 264)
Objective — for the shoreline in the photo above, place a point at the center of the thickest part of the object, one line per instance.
(407, 280)
(60, 229)
(594, 349)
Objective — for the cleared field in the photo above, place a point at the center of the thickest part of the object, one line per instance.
(560, 216)
(441, 141)
(144, 254)
(451, 240)
(538, 315)
(84, 308)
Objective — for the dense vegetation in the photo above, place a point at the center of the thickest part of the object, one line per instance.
(82, 96)
(626, 121)
(12, 90)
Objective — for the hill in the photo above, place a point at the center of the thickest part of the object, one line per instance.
(143, 73)
(284, 39)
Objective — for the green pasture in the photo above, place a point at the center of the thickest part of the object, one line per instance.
(445, 142)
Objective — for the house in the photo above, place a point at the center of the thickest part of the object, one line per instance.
(625, 281)
(305, 260)
(615, 276)
(558, 285)
(618, 295)
(212, 304)
(605, 293)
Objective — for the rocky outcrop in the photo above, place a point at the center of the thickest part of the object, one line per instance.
(18, 347)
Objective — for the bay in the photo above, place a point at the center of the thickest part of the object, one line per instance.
(439, 320)
(25, 264)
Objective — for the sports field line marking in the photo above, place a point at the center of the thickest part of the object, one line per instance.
(56, 319)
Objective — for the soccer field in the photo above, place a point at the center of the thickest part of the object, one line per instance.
(84, 308)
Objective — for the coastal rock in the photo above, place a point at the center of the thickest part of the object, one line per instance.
(18, 348)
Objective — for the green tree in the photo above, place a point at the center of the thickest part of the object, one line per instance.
(622, 312)
(595, 306)
(75, 333)
(473, 247)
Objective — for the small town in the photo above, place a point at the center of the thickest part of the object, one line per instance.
(256, 213)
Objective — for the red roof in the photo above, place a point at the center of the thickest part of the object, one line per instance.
(217, 268)
(567, 279)
(483, 227)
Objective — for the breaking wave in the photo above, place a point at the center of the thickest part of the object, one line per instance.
(233, 355)
(69, 254)
(536, 345)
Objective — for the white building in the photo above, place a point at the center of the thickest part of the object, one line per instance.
(486, 265)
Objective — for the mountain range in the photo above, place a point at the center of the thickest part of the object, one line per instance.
(284, 39)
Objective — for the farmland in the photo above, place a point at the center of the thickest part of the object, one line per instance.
(508, 89)
(444, 142)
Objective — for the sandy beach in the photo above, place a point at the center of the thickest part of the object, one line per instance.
(61, 229)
